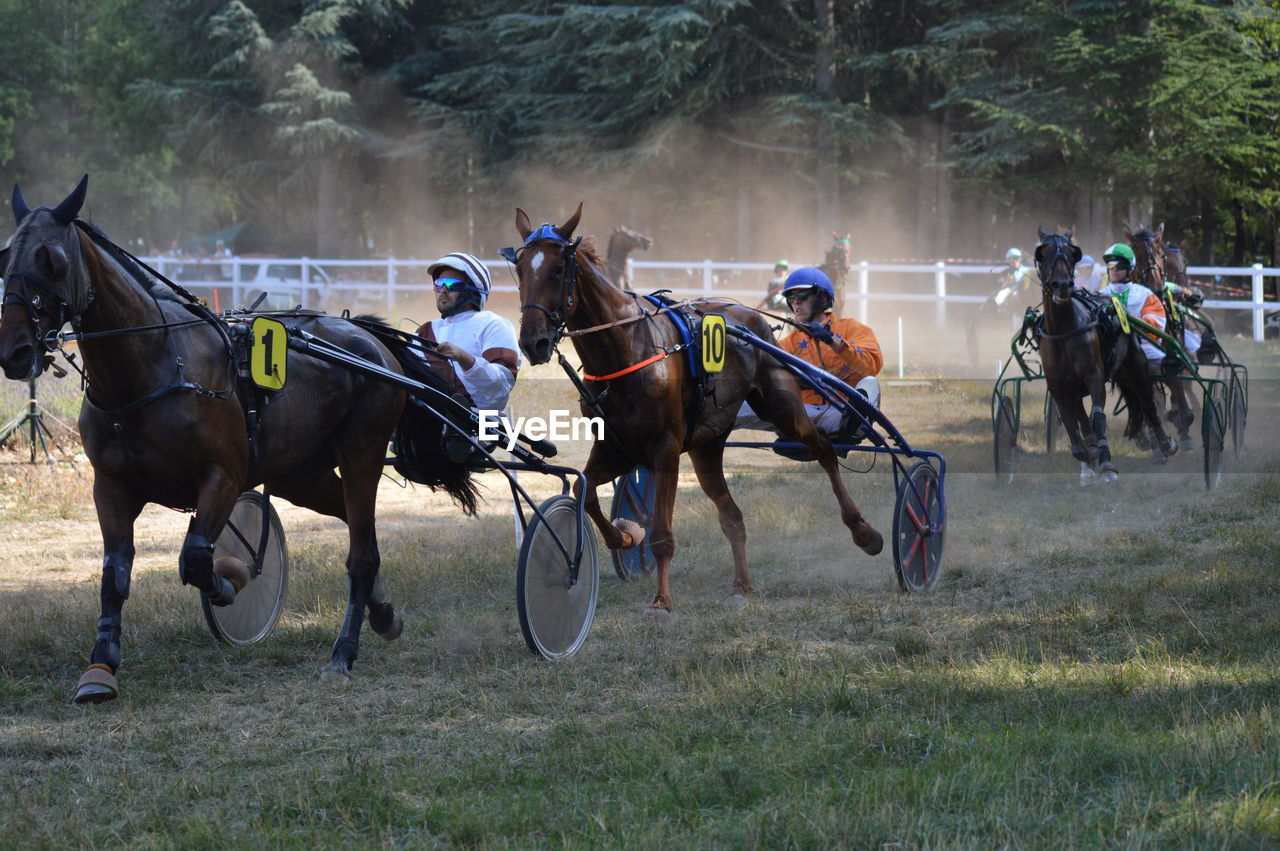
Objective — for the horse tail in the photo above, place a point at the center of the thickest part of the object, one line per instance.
(418, 439)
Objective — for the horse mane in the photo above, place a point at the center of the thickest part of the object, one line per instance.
(154, 286)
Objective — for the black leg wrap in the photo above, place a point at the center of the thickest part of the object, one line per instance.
(1099, 423)
(195, 567)
(117, 569)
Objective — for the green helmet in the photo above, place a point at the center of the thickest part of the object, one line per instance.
(1119, 251)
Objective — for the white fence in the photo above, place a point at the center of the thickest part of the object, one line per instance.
(379, 284)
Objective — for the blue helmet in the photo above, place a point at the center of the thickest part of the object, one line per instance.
(1086, 260)
(807, 278)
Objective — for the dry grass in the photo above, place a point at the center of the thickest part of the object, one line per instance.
(1096, 667)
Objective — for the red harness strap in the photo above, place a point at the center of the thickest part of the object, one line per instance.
(659, 356)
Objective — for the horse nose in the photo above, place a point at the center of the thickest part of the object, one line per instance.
(19, 363)
(539, 350)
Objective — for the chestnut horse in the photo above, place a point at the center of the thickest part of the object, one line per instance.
(655, 410)
(165, 420)
(1075, 354)
(835, 265)
(1149, 270)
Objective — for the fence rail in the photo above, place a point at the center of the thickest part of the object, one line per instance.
(378, 284)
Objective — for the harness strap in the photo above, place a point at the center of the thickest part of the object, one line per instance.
(633, 368)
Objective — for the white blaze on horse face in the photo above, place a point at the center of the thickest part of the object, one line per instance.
(536, 261)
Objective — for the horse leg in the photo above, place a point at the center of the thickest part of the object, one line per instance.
(708, 464)
(214, 501)
(786, 412)
(1180, 413)
(1072, 418)
(360, 477)
(118, 508)
(318, 488)
(1107, 471)
(603, 466)
(662, 542)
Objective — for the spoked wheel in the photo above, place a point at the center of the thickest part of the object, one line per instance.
(633, 500)
(258, 605)
(1006, 449)
(555, 615)
(1239, 412)
(1213, 433)
(918, 528)
(1053, 428)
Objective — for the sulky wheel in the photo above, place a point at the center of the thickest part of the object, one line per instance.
(1239, 412)
(1006, 448)
(633, 500)
(918, 528)
(555, 615)
(1053, 428)
(1213, 433)
(258, 605)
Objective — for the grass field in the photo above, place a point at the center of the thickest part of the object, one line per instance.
(1096, 667)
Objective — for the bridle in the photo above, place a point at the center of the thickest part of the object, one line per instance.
(569, 280)
(18, 290)
(1153, 269)
(1044, 267)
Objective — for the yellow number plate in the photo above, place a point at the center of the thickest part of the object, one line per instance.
(715, 342)
(1121, 313)
(268, 358)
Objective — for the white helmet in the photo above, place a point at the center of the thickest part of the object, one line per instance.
(468, 264)
(1012, 253)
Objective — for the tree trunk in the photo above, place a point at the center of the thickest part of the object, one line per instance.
(744, 222)
(327, 208)
(1209, 230)
(1238, 241)
(944, 208)
(824, 73)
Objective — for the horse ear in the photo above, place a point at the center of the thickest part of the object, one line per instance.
(1128, 234)
(1040, 231)
(1070, 231)
(20, 208)
(66, 212)
(522, 224)
(566, 229)
(1159, 230)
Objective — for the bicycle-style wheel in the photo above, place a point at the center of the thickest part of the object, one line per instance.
(918, 528)
(633, 500)
(1239, 413)
(1213, 433)
(555, 614)
(1006, 440)
(258, 605)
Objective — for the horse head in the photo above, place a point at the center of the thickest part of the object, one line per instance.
(1148, 252)
(547, 271)
(1175, 264)
(630, 240)
(1056, 259)
(45, 282)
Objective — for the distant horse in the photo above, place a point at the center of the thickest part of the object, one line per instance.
(653, 407)
(1078, 360)
(622, 242)
(166, 420)
(836, 267)
(1175, 264)
(1149, 270)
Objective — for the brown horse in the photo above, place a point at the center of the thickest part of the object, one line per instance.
(622, 242)
(835, 265)
(165, 419)
(654, 409)
(1075, 353)
(1149, 270)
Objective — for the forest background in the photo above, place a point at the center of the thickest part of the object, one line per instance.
(725, 129)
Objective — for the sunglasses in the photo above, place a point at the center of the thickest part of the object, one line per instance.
(449, 285)
(797, 295)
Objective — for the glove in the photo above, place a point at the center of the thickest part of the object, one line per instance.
(1192, 298)
(818, 332)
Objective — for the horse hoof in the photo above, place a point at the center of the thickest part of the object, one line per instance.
(1141, 441)
(737, 600)
(874, 545)
(657, 613)
(223, 593)
(1169, 447)
(1187, 444)
(336, 672)
(97, 685)
(632, 532)
(1088, 477)
(387, 626)
(234, 571)
(1108, 477)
